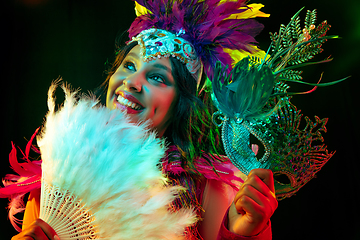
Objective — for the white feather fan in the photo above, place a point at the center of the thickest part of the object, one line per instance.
(100, 178)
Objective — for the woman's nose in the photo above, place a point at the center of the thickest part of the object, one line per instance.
(133, 83)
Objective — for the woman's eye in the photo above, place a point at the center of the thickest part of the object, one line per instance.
(158, 79)
(130, 66)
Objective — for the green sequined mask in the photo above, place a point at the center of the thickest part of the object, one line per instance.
(261, 128)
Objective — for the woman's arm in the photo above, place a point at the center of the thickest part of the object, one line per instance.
(217, 198)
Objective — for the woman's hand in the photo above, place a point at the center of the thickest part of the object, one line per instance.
(38, 230)
(254, 204)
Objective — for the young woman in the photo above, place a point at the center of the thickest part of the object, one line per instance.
(153, 91)
(160, 76)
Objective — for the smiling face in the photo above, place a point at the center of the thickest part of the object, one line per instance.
(145, 90)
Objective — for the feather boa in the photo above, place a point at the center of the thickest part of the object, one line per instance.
(111, 165)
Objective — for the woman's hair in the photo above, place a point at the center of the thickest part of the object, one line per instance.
(191, 129)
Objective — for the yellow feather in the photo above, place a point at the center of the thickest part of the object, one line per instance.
(237, 55)
(252, 12)
(140, 10)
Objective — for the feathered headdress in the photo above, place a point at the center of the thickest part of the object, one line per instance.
(260, 126)
(198, 32)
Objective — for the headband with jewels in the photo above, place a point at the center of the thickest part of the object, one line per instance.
(199, 33)
(260, 126)
(156, 43)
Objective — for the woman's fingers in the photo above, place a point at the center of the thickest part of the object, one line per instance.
(264, 183)
(38, 230)
(266, 176)
(252, 192)
(247, 205)
(49, 231)
(258, 185)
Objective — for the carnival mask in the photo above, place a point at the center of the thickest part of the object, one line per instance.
(261, 128)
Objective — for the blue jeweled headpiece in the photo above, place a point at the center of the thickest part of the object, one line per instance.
(156, 43)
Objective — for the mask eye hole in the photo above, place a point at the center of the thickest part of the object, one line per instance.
(282, 178)
(257, 147)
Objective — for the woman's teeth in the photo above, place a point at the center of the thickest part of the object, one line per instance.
(128, 103)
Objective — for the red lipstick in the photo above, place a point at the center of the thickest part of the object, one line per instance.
(126, 108)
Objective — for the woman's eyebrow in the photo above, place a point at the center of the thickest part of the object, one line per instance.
(158, 65)
(132, 54)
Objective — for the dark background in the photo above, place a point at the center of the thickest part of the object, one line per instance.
(44, 39)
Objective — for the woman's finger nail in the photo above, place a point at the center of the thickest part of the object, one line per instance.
(56, 237)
